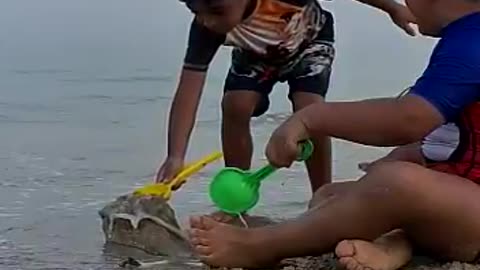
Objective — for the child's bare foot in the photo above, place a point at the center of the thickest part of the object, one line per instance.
(389, 252)
(222, 217)
(222, 245)
(225, 217)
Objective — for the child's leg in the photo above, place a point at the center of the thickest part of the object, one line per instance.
(388, 197)
(410, 153)
(319, 166)
(309, 80)
(246, 95)
(238, 107)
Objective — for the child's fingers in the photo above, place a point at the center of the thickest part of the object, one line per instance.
(158, 175)
(162, 175)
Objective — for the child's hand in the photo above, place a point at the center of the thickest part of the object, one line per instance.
(169, 169)
(282, 148)
(403, 18)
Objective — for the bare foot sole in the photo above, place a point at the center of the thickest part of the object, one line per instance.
(222, 245)
(389, 252)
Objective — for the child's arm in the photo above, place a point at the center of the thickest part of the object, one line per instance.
(385, 5)
(376, 122)
(399, 13)
(202, 46)
(446, 88)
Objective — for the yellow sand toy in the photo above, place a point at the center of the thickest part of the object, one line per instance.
(165, 189)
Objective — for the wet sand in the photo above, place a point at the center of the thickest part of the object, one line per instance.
(418, 263)
(325, 262)
(328, 262)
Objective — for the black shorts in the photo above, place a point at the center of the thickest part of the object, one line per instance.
(309, 71)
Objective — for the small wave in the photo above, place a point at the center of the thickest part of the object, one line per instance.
(96, 97)
(136, 79)
(24, 194)
(92, 203)
(20, 121)
(273, 118)
(9, 184)
(128, 79)
(34, 107)
(145, 100)
(208, 122)
(9, 215)
(109, 172)
(291, 204)
(129, 100)
(40, 71)
(78, 159)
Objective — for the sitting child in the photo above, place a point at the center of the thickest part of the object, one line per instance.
(430, 201)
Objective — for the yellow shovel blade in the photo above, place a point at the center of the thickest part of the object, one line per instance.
(165, 190)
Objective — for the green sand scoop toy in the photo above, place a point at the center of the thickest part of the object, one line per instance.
(235, 191)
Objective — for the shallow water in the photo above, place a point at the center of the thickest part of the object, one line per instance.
(84, 91)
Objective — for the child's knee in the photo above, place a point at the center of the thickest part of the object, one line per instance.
(239, 106)
(395, 175)
(326, 193)
(410, 153)
(301, 100)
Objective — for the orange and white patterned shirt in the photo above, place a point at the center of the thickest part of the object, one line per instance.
(274, 29)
